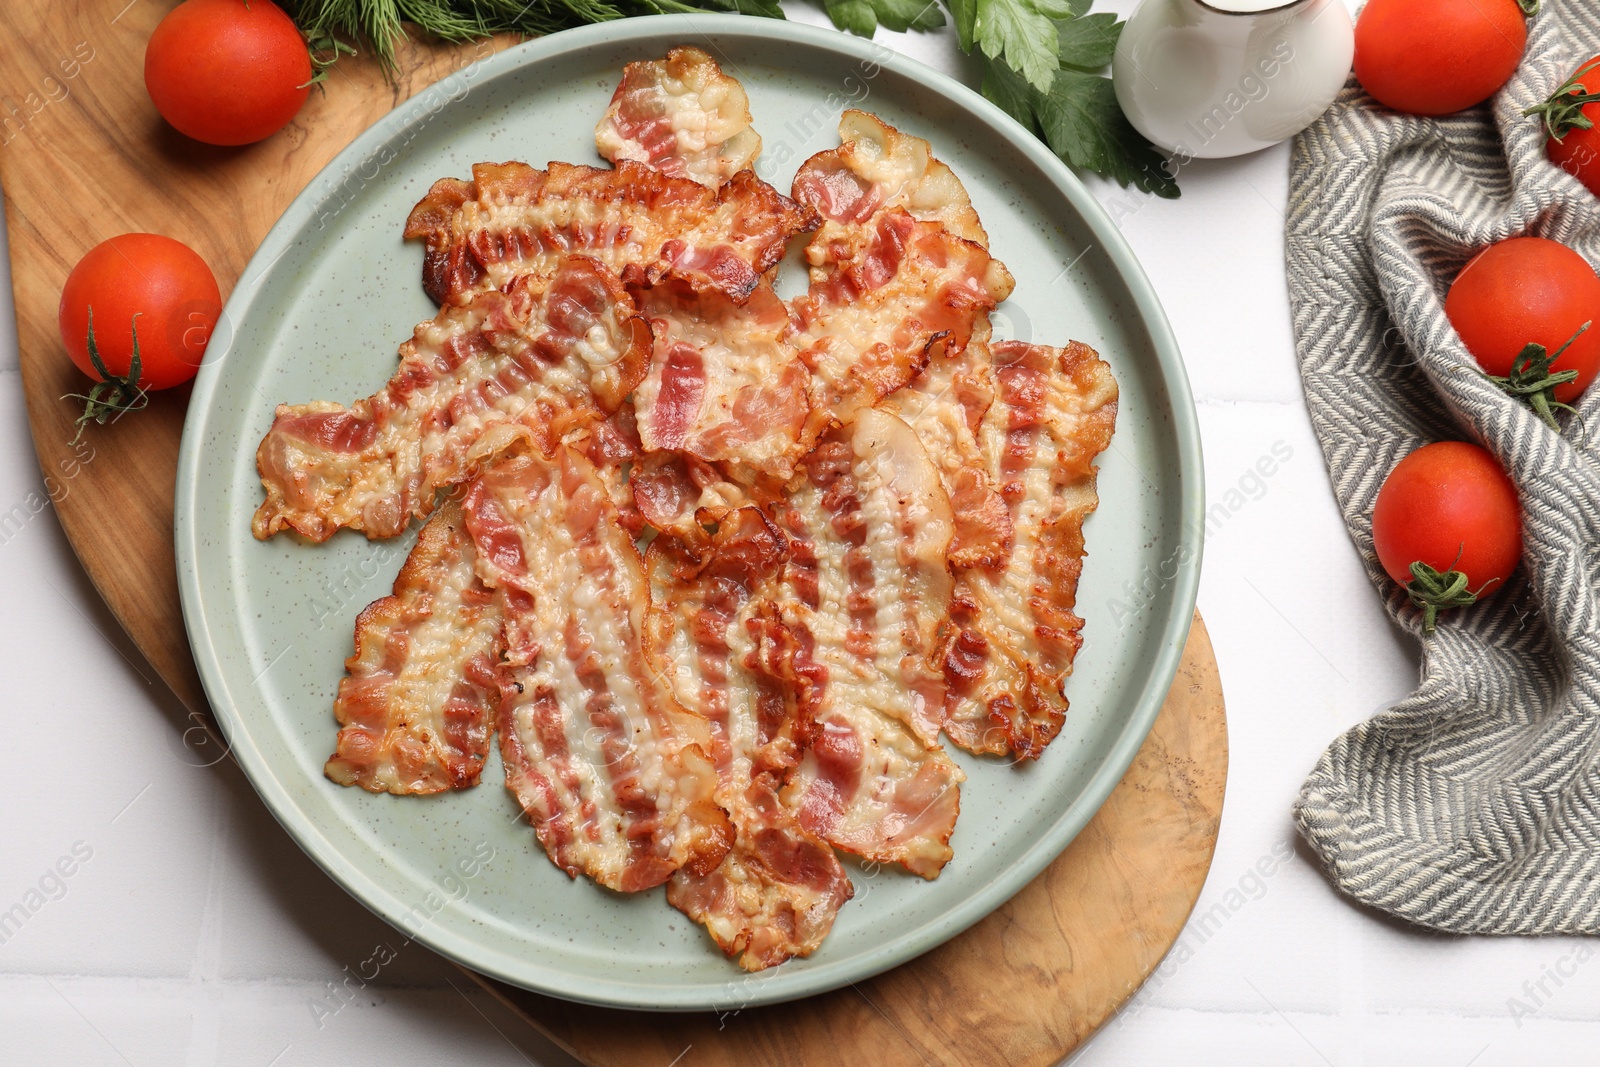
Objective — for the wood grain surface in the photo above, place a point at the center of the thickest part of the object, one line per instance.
(84, 157)
(1022, 988)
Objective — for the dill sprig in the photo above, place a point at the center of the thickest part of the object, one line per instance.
(380, 24)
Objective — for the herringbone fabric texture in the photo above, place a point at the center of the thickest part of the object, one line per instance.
(1473, 805)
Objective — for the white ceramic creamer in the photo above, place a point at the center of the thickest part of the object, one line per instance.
(1221, 78)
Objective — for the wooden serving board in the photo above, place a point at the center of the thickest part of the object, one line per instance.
(84, 157)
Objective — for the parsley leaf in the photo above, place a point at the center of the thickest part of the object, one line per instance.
(1005, 87)
(1089, 41)
(1083, 123)
(861, 17)
(852, 16)
(1017, 33)
(902, 15)
(965, 14)
(1074, 109)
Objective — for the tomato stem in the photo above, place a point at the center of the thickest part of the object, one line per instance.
(112, 394)
(1563, 112)
(1531, 382)
(1434, 591)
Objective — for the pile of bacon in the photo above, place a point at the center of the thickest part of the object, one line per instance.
(863, 519)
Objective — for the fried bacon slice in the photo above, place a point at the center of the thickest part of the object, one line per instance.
(874, 191)
(1013, 634)
(682, 116)
(511, 219)
(776, 893)
(415, 705)
(876, 167)
(884, 298)
(725, 384)
(612, 772)
(534, 361)
(865, 593)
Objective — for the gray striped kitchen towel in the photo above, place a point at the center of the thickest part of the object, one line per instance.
(1473, 805)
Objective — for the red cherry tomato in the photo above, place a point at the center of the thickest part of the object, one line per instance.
(144, 280)
(1435, 57)
(227, 72)
(1572, 147)
(1451, 506)
(1528, 291)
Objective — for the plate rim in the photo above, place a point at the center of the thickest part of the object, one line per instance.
(607, 992)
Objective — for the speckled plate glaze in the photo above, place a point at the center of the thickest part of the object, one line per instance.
(319, 313)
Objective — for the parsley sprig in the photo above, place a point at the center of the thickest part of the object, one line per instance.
(1042, 61)
(1042, 58)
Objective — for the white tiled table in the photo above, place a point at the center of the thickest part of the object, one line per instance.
(197, 933)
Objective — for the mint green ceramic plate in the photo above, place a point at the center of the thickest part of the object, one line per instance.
(318, 315)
